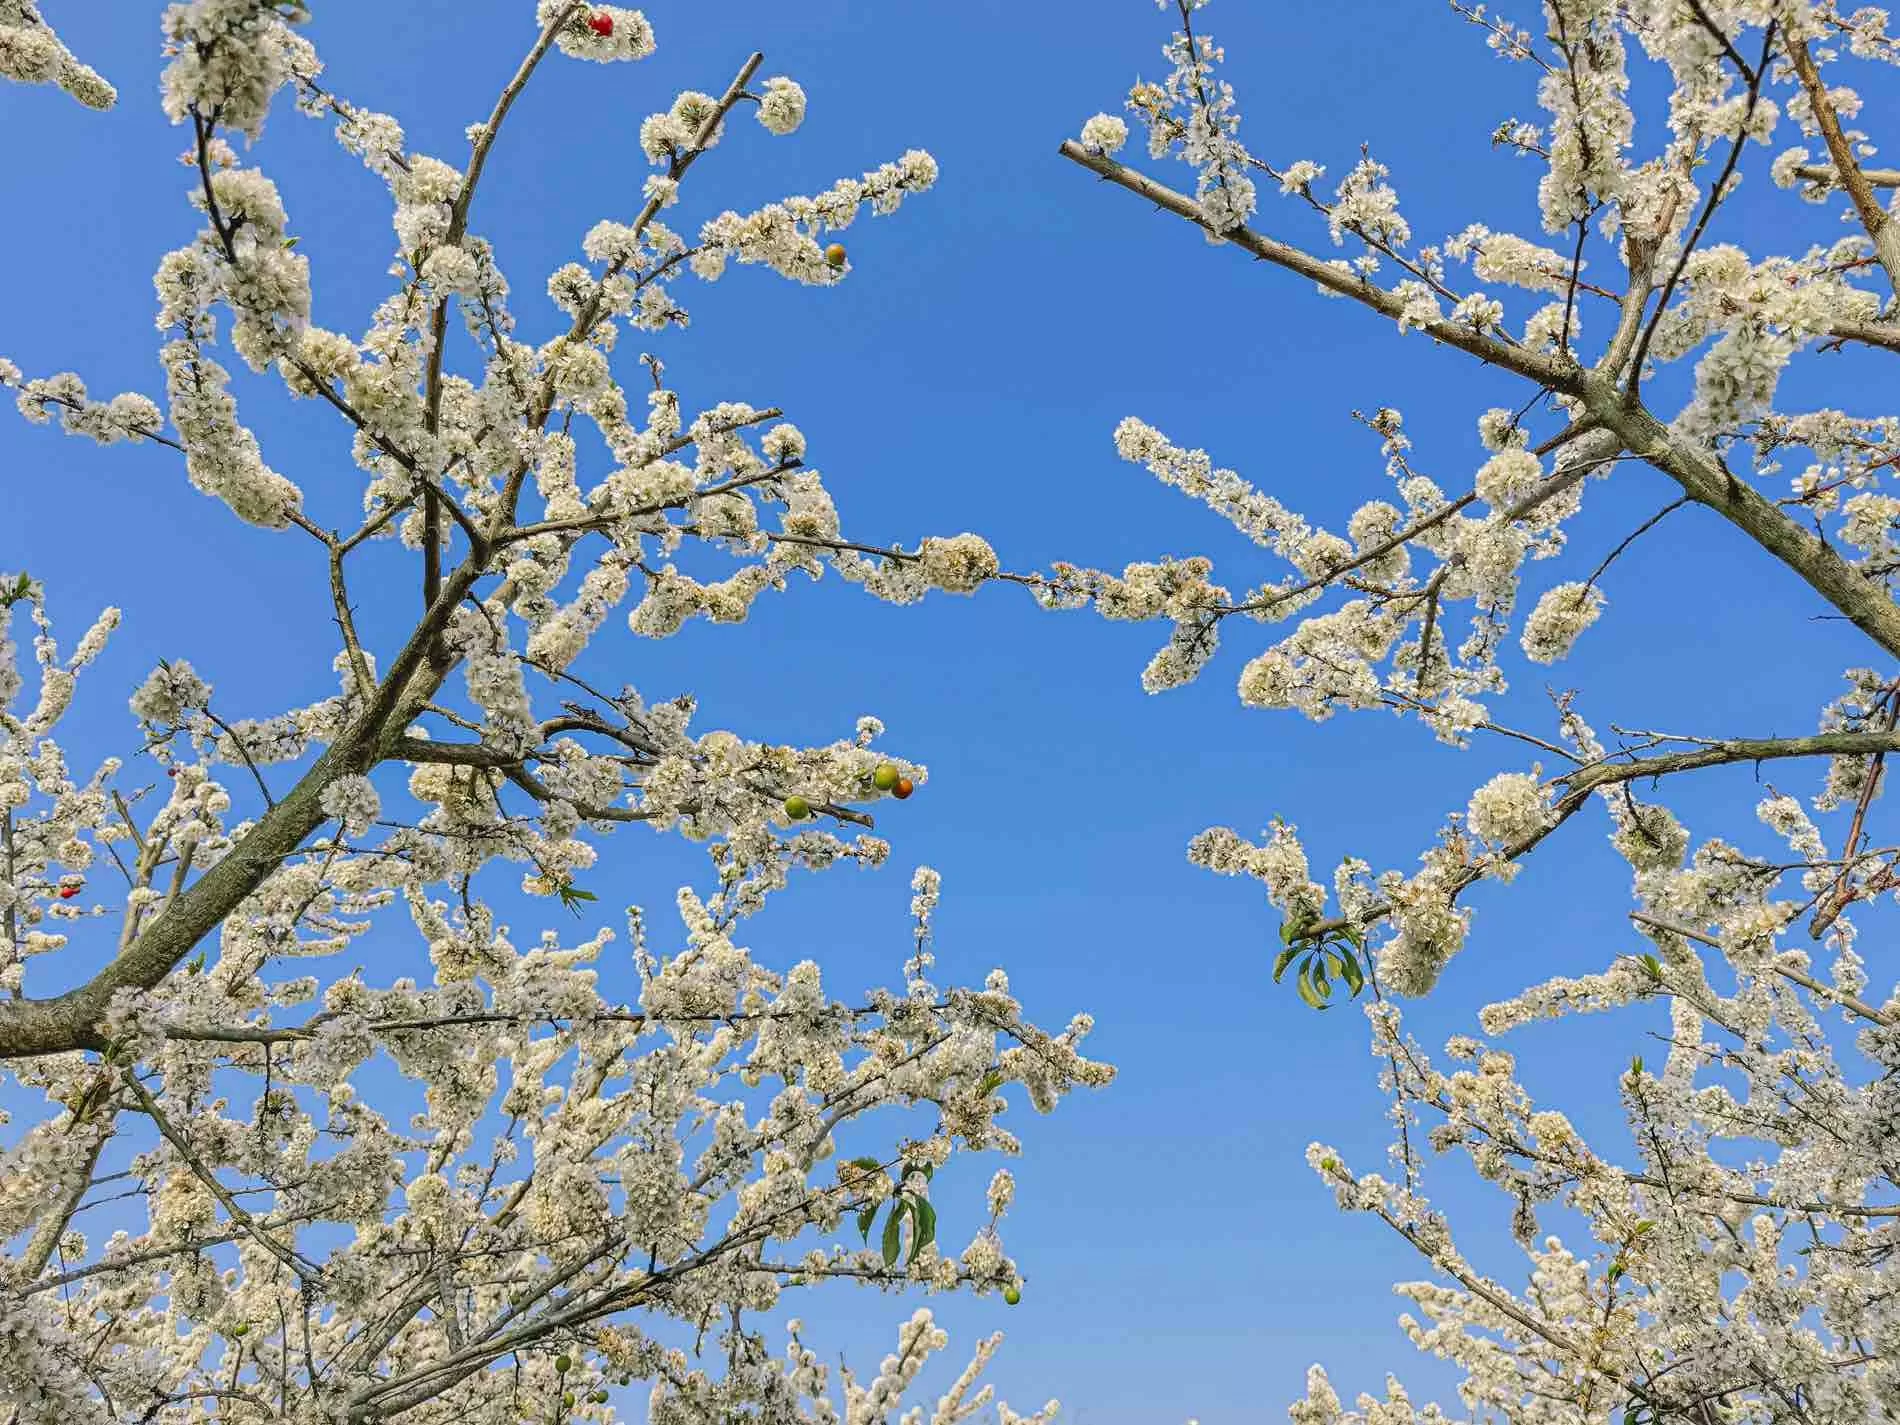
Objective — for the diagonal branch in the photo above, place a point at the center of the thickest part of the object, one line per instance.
(1847, 171)
(1564, 376)
(1582, 782)
(1807, 982)
(1700, 474)
(303, 1269)
(439, 317)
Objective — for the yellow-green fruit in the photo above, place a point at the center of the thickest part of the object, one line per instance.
(599, 1397)
(885, 777)
(563, 1364)
(835, 254)
(241, 1329)
(797, 808)
(568, 1398)
(1011, 1296)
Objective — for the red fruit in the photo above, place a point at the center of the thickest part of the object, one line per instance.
(66, 893)
(171, 771)
(602, 25)
(903, 788)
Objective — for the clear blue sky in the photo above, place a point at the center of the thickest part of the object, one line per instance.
(1181, 1259)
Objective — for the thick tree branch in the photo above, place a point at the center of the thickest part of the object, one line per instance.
(1824, 173)
(32, 1027)
(1863, 601)
(1873, 217)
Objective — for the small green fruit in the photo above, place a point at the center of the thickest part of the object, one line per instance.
(243, 1328)
(599, 1397)
(1011, 1296)
(563, 1364)
(835, 254)
(885, 777)
(567, 1399)
(797, 808)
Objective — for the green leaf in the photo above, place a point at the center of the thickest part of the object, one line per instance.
(865, 1219)
(291, 242)
(1636, 1064)
(573, 896)
(990, 1083)
(1654, 966)
(1308, 988)
(1286, 931)
(1355, 935)
(893, 1236)
(923, 1219)
(1616, 1271)
(1284, 959)
(870, 1165)
(1350, 972)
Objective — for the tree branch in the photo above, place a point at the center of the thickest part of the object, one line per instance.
(1873, 217)
(1807, 982)
(1559, 375)
(1864, 602)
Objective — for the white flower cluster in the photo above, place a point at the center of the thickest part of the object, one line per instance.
(591, 1135)
(1194, 112)
(1730, 1260)
(782, 106)
(1104, 134)
(128, 416)
(31, 53)
(784, 235)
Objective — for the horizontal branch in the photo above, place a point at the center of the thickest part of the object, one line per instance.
(1740, 749)
(1807, 982)
(1584, 781)
(1825, 173)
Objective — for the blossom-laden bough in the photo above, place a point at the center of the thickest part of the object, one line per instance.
(596, 1189)
(31, 53)
(1742, 1241)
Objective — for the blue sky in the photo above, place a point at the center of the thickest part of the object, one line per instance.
(1181, 1259)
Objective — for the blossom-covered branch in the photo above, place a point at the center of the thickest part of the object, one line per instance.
(502, 1187)
(1727, 1259)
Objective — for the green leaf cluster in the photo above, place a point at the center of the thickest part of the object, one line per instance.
(902, 1203)
(573, 897)
(1324, 958)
